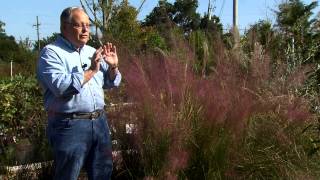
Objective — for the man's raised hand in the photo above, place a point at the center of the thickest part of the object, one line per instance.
(110, 55)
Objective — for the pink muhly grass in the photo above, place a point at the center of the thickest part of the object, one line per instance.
(178, 159)
(234, 92)
(226, 96)
(159, 84)
(160, 87)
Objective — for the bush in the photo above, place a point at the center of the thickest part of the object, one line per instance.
(22, 122)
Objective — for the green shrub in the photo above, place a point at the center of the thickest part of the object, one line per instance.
(22, 121)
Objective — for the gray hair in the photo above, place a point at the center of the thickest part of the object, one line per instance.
(66, 15)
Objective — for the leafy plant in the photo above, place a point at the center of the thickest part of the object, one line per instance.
(22, 120)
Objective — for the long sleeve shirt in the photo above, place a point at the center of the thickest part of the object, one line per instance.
(60, 72)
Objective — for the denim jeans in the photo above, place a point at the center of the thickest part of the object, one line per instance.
(80, 143)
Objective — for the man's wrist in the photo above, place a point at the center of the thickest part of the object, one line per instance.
(113, 70)
(87, 75)
(114, 66)
(92, 69)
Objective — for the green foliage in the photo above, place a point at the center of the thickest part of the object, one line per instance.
(273, 148)
(294, 20)
(17, 99)
(124, 27)
(2, 24)
(160, 14)
(101, 12)
(208, 146)
(300, 38)
(212, 26)
(155, 148)
(209, 154)
(20, 53)
(185, 15)
(152, 39)
(45, 41)
(201, 48)
(8, 49)
(22, 119)
(293, 17)
(175, 137)
(261, 32)
(182, 13)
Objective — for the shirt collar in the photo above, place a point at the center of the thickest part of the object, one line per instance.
(68, 43)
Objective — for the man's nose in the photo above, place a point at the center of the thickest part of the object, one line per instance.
(85, 29)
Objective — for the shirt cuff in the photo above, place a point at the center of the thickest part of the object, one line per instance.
(117, 79)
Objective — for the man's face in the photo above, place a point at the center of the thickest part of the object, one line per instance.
(77, 32)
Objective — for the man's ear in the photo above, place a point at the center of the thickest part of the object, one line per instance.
(63, 28)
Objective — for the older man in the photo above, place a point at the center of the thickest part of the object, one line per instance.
(73, 76)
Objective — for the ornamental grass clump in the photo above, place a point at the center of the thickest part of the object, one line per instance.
(161, 85)
(192, 127)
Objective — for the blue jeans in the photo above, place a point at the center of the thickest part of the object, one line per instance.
(80, 143)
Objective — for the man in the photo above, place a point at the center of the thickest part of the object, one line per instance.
(73, 76)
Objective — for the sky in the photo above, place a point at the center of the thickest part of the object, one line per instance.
(20, 15)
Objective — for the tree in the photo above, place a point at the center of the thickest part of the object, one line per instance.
(295, 23)
(185, 15)
(316, 25)
(161, 14)
(211, 26)
(261, 32)
(45, 41)
(293, 16)
(99, 11)
(8, 45)
(124, 27)
(301, 40)
(19, 53)
(152, 40)
(2, 31)
(203, 40)
(182, 13)
(8, 49)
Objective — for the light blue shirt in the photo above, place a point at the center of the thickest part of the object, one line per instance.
(60, 72)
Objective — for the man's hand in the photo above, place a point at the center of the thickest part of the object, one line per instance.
(95, 65)
(96, 60)
(110, 55)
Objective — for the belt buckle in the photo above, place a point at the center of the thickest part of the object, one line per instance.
(94, 115)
